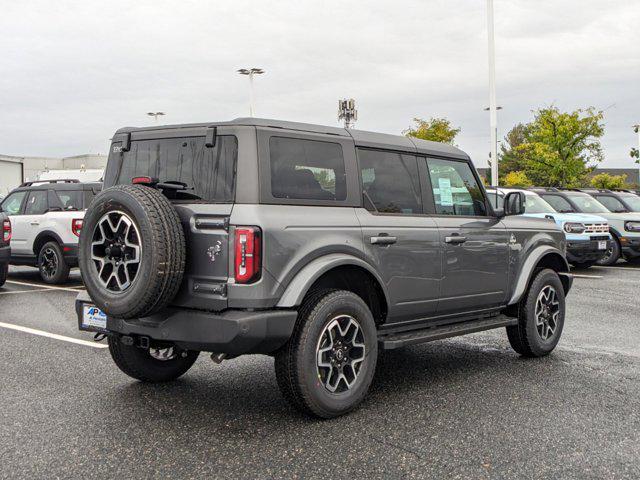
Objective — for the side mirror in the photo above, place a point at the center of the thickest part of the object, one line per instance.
(514, 203)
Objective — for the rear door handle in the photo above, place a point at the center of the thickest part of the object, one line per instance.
(383, 239)
(455, 239)
(35, 223)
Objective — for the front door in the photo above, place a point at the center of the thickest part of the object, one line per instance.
(398, 238)
(476, 252)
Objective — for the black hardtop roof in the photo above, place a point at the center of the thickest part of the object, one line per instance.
(361, 137)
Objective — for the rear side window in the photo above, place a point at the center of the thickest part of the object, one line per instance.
(208, 173)
(70, 199)
(390, 182)
(37, 203)
(611, 203)
(558, 203)
(307, 169)
(455, 189)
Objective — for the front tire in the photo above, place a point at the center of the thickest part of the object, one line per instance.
(327, 366)
(540, 316)
(51, 264)
(150, 364)
(613, 254)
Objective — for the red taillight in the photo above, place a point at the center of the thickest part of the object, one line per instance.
(142, 180)
(76, 226)
(248, 246)
(6, 230)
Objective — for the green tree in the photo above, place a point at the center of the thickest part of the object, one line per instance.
(511, 159)
(434, 129)
(604, 180)
(561, 148)
(516, 179)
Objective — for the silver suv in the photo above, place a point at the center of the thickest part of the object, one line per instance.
(317, 245)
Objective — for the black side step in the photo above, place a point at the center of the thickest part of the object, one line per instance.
(397, 340)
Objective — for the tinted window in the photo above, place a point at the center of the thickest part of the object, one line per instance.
(36, 203)
(12, 203)
(558, 203)
(611, 203)
(535, 204)
(307, 169)
(495, 199)
(633, 201)
(455, 189)
(587, 203)
(390, 182)
(70, 199)
(209, 173)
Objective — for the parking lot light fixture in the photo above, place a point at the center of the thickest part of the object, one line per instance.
(250, 72)
(155, 115)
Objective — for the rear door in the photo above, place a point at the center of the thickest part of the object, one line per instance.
(399, 239)
(13, 206)
(36, 206)
(476, 255)
(204, 205)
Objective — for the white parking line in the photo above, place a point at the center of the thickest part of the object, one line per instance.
(628, 269)
(27, 291)
(42, 333)
(576, 275)
(48, 287)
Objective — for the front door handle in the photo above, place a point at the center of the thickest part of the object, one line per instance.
(455, 239)
(35, 223)
(383, 239)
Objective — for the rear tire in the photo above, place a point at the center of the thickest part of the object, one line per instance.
(327, 366)
(613, 254)
(4, 273)
(139, 364)
(540, 316)
(52, 265)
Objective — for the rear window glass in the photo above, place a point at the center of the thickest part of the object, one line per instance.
(209, 173)
(70, 199)
(307, 169)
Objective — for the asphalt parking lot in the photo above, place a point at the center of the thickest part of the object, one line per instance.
(462, 408)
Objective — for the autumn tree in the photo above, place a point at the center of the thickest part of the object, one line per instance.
(434, 129)
(604, 180)
(516, 179)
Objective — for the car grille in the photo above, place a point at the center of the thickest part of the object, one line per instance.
(596, 227)
(599, 237)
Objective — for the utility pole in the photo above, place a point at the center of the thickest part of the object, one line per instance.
(493, 113)
(250, 72)
(347, 112)
(155, 115)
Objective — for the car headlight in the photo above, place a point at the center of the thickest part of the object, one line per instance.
(571, 227)
(632, 226)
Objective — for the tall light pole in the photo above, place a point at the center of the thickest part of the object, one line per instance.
(493, 113)
(250, 72)
(156, 115)
(347, 112)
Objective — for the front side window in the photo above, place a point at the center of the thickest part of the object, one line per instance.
(37, 203)
(611, 203)
(70, 199)
(208, 173)
(558, 203)
(535, 204)
(390, 182)
(307, 169)
(633, 201)
(12, 203)
(455, 189)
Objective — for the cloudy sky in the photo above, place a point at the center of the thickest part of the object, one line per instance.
(73, 72)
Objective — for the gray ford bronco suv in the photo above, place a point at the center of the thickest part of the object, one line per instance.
(317, 245)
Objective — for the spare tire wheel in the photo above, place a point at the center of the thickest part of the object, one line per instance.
(132, 251)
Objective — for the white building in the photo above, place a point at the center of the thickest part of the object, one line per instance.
(15, 170)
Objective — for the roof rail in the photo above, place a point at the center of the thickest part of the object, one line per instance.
(546, 189)
(60, 180)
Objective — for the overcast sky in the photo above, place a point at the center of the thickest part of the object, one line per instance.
(73, 72)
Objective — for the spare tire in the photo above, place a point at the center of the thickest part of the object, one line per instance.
(132, 251)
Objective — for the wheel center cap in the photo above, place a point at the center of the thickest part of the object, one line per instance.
(339, 355)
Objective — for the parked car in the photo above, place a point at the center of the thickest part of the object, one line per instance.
(587, 236)
(317, 245)
(5, 248)
(617, 201)
(624, 227)
(46, 218)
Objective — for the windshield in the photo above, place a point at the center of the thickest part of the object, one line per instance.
(208, 173)
(586, 203)
(633, 201)
(535, 204)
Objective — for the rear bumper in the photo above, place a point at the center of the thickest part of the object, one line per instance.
(233, 332)
(5, 254)
(581, 251)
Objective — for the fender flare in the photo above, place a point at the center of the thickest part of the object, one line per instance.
(528, 267)
(46, 233)
(304, 279)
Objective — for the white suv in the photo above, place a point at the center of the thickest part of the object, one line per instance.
(46, 219)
